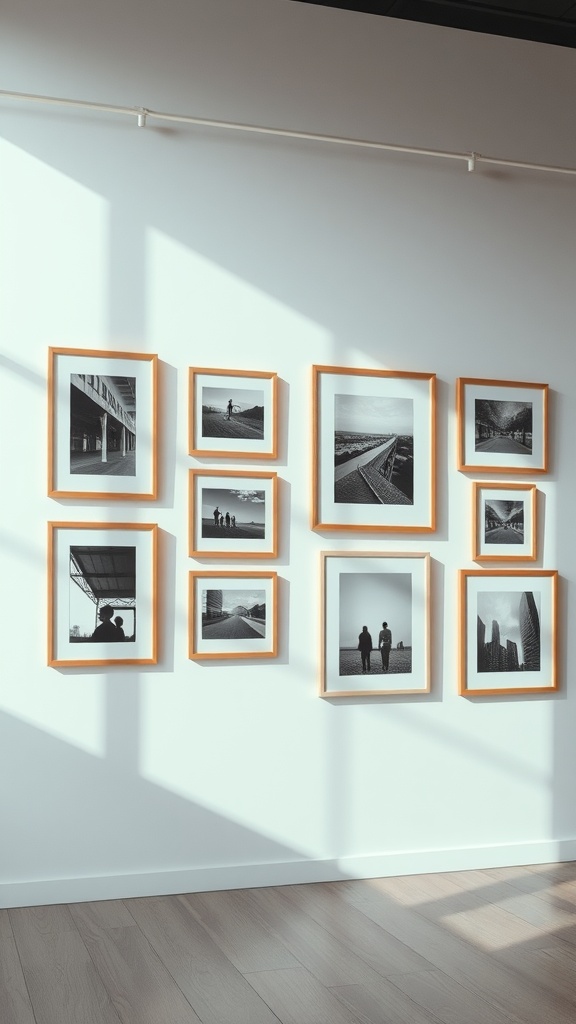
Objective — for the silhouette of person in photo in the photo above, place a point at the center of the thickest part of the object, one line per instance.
(365, 648)
(216, 514)
(233, 520)
(229, 416)
(119, 623)
(228, 520)
(106, 632)
(385, 645)
(221, 520)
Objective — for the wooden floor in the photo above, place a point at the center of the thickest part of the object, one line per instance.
(475, 947)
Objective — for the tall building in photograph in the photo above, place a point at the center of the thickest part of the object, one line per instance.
(493, 656)
(530, 631)
(212, 604)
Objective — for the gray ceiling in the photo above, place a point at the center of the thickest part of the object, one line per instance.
(544, 21)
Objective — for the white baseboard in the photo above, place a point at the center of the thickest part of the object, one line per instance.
(252, 876)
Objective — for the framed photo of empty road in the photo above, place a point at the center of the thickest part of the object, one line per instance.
(102, 424)
(504, 522)
(233, 615)
(233, 413)
(375, 629)
(233, 514)
(374, 450)
(502, 426)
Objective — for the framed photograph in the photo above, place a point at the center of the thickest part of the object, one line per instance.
(233, 413)
(508, 631)
(373, 449)
(102, 424)
(375, 623)
(502, 426)
(233, 615)
(102, 594)
(233, 514)
(504, 522)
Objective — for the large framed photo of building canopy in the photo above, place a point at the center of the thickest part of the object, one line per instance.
(504, 522)
(233, 413)
(502, 426)
(233, 514)
(374, 442)
(102, 594)
(102, 424)
(508, 631)
(233, 615)
(375, 623)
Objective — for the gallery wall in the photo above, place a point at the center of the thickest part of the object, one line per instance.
(221, 249)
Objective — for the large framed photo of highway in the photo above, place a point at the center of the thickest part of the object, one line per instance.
(233, 614)
(374, 450)
(102, 424)
(504, 522)
(502, 426)
(233, 413)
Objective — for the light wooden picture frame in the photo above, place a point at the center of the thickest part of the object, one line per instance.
(502, 426)
(233, 413)
(233, 614)
(233, 514)
(504, 522)
(102, 424)
(374, 450)
(508, 631)
(102, 594)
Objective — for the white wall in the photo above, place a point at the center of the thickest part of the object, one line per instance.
(213, 248)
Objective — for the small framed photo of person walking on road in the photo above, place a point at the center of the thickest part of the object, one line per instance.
(233, 413)
(504, 522)
(502, 426)
(233, 514)
(374, 449)
(233, 615)
(375, 623)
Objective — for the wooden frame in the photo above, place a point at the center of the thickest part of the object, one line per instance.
(98, 572)
(388, 593)
(102, 424)
(502, 426)
(504, 526)
(517, 610)
(233, 413)
(233, 615)
(233, 514)
(374, 450)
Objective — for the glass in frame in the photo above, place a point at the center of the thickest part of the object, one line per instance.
(233, 413)
(233, 615)
(504, 522)
(233, 514)
(502, 426)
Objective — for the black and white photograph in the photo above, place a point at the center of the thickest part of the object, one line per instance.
(504, 522)
(379, 427)
(102, 436)
(244, 517)
(375, 623)
(508, 631)
(233, 615)
(102, 594)
(232, 413)
(502, 425)
(233, 514)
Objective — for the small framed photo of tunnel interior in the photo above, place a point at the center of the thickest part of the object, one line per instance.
(233, 413)
(233, 514)
(233, 614)
(375, 627)
(502, 426)
(102, 425)
(102, 594)
(508, 631)
(504, 524)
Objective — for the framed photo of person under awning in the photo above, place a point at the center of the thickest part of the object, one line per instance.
(233, 413)
(375, 630)
(233, 615)
(233, 514)
(503, 522)
(102, 594)
(102, 424)
(502, 426)
(374, 450)
(508, 631)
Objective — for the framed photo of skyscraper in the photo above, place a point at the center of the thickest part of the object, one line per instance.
(508, 631)
(503, 522)
(374, 450)
(233, 614)
(502, 426)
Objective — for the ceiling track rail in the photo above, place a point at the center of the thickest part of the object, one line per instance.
(142, 116)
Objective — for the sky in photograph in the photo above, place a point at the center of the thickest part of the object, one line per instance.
(232, 598)
(246, 398)
(507, 410)
(369, 599)
(504, 606)
(373, 415)
(247, 506)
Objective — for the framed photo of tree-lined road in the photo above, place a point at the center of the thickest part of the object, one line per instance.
(233, 615)
(233, 514)
(233, 413)
(504, 522)
(374, 450)
(502, 426)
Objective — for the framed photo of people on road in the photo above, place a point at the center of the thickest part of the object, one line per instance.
(502, 426)
(233, 514)
(102, 424)
(233, 615)
(102, 594)
(375, 626)
(504, 522)
(233, 413)
(508, 631)
(374, 450)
